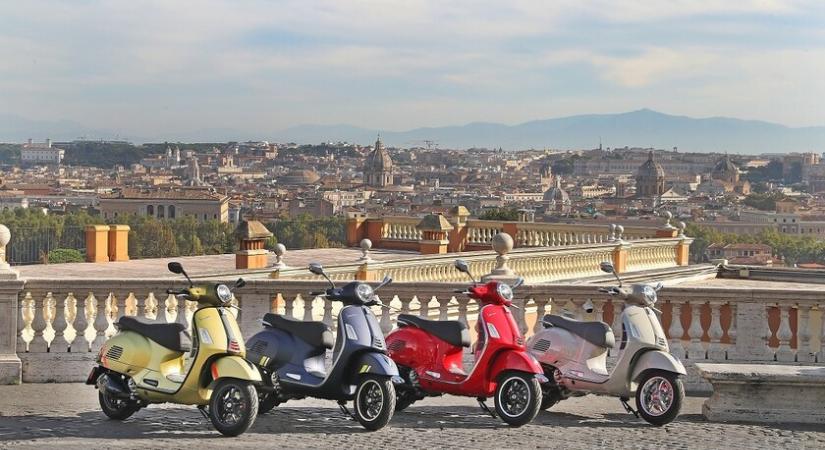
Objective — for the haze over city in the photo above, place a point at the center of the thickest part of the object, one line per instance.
(219, 68)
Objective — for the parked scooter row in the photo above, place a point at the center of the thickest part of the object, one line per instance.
(146, 362)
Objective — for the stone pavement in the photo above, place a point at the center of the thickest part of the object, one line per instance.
(67, 416)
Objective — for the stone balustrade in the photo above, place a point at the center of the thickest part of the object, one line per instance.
(400, 233)
(62, 324)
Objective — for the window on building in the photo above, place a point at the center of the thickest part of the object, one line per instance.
(205, 216)
(171, 211)
(161, 212)
(150, 210)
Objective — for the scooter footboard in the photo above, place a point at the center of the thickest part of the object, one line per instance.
(656, 360)
(373, 363)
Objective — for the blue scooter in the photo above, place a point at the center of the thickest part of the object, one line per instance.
(290, 355)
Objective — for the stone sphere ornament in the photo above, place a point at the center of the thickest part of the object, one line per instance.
(502, 243)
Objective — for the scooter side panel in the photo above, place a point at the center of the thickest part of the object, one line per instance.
(126, 352)
(270, 348)
(374, 363)
(412, 347)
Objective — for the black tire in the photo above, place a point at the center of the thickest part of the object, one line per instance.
(233, 406)
(267, 402)
(518, 398)
(549, 398)
(404, 399)
(374, 401)
(657, 383)
(116, 408)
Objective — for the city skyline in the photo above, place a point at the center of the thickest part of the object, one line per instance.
(158, 68)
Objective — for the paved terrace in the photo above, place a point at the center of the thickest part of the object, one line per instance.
(67, 416)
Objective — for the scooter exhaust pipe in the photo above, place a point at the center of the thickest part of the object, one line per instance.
(113, 387)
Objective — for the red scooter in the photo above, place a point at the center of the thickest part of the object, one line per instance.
(429, 357)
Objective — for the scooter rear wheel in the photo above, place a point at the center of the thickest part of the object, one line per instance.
(518, 398)
(374, 402)
(659, 396)
(233, 406)
(116, 408)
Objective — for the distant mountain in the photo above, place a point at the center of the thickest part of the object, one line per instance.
(642, 128)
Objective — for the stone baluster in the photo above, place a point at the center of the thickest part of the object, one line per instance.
(405, 303)
(328, 313)
(24, 328)
(784, 334)
(100, 322)
(598, 309)
(130, 305)
(695, 349)
(618, 307)
(80, 325)
(39, 325)
(676, 330)
(444, 308)
(541, 310)
(715, 332)
(308, 302)
(732, 329)
(59, 325)
(289, 305)
(518, 314)
(112, 314)
(165, 307)
(803, 348)
(386, 319)
(462, 309)
(180, 312)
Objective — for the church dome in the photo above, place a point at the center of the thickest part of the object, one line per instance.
(299, 176)
(379, 159)
(650, 169)
(556, 194)
(724, 169)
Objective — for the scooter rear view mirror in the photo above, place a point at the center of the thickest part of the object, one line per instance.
(240, 283)
(519, 281)
(175, 267)
(462, 266)
(607, 267)
(316, 268)
(387, 280)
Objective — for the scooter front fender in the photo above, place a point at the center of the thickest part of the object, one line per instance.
(373, 363)
(234, 367)
(656, 360)
(514, 360)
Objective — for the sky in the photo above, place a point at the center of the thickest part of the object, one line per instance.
(148, 67)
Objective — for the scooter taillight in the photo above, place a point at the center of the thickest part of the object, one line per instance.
(234, 347)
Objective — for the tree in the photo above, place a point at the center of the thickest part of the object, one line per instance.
(499, 214)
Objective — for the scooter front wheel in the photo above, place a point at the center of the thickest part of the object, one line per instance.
(518, 398)
(233, 406)
(659, 396)
(374, 402)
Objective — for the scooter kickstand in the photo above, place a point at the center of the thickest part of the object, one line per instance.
(202, 409)
(343, 406)
(486, 408)
(627, 407)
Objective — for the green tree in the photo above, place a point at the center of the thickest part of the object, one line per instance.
(499, 214)
(65, 255)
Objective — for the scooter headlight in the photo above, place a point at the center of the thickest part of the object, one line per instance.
(364, 292)
(505, 291)
(224, 294)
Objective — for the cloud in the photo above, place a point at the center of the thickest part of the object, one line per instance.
(266, 65)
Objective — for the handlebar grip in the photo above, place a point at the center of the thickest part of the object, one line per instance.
(175, 291)
(459, 291)
(317, 293)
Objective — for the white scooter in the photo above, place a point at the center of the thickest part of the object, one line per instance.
(574, 355)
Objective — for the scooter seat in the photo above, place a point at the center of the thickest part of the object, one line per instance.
(316, 334)
(451, 331)
(597, 333)
(170, 335)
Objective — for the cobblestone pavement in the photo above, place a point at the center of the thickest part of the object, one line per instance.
(67, 415)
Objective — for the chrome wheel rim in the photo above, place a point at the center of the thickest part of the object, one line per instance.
(657, 396)
(114, 403)
(230, 406)
(370, 400)
(514, 396)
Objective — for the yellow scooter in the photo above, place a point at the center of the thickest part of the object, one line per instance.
(146, 362)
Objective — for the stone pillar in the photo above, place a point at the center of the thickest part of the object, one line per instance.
(751, 341)
(97, 243)
(11, 369)
(458, 235)
(355, 228)
(668, 230)
(683, 247)
(252, 253)
(119, 242)
(502, 244)
(434, 229)
(620, 256)
(364, 273)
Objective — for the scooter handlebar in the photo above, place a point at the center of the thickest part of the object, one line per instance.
(177, 291)
(318, 293)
